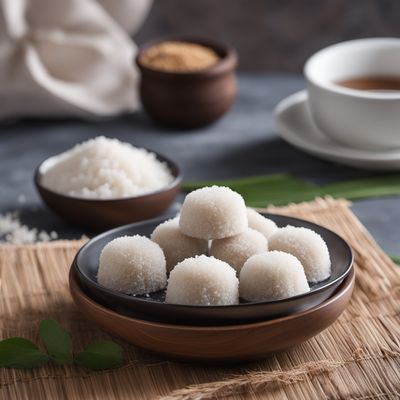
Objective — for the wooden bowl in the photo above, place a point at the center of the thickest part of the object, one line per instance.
(189, 99)
(106, 214)
(217, 343)
(154, 307)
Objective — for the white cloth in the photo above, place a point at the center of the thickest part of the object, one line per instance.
(65, 58)
(128, 13)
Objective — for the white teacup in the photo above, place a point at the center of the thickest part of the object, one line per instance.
(356, 118)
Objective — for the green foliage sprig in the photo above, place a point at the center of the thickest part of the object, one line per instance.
(395, 259)
(282, 189)
(18, 352)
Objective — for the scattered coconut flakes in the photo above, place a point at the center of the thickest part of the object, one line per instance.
(14, 232)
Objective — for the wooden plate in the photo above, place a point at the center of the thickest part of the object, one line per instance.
(217, 343)
(154, 307)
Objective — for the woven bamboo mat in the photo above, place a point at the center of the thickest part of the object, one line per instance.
(358, 357)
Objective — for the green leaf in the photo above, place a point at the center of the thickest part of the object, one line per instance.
(247, 181)
(395, 259)
(258, 191)
(100, 355)
(282, 189)
(21, 353)
(383, 185)
(57, 341)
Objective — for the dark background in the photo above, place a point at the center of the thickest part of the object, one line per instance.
(270, 36)
(273, 35)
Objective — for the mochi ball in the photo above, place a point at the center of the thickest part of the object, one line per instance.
(272, 275)
(132, 265)
(214, 212)
(308, 247)
(235, 250)
(175, 244)
(203, 280)
(261, 224)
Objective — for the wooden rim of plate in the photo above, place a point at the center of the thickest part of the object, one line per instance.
(79, 296)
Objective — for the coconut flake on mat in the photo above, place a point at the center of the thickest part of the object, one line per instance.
(12, 231)
(103, 168)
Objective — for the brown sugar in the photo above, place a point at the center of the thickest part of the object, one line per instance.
(179, 57)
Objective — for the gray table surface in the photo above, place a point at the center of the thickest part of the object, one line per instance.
(244, 142)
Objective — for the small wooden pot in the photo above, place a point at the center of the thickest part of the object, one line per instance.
(189, 99)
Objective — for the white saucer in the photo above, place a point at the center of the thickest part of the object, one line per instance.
(296, 126)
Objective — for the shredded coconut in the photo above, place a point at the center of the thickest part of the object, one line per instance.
(103, 168)
(14, 232)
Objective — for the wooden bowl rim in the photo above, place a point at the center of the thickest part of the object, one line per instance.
(346, 285)
(172, 165)
(227, 53)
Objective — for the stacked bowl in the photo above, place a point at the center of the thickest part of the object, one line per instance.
(212, 333)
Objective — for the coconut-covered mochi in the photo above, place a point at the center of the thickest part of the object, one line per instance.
(175, 244)
(260, 223)
(272, 275)
(235, 250)
(132, 265)
(308, 247)
(203, 280)
(214, 212)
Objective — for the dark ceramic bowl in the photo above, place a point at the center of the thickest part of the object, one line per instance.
(106, 214)
(154, 307)
(189, 99)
